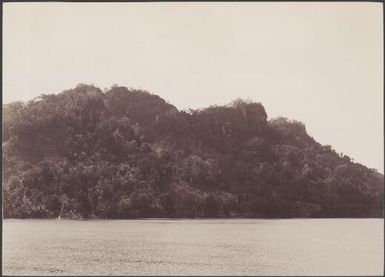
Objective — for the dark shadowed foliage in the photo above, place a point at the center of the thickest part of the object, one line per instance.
(126, 153)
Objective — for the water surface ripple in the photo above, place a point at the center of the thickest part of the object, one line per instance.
(194, 247)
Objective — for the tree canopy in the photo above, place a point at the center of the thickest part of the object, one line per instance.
(125, 153)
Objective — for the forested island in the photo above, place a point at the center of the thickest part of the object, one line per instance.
(125, 153)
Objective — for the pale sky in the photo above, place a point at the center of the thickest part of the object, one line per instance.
(319, 63)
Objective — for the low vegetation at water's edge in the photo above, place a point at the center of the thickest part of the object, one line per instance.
(126, 153)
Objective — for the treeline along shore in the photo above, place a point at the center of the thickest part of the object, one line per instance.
(125, 153)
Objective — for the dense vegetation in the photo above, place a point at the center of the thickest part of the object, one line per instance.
(125, 153)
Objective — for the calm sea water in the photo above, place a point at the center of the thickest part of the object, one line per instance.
(194, 247)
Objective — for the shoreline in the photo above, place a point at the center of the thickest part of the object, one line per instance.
(186, 218)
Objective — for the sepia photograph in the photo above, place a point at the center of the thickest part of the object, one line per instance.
(192, 138)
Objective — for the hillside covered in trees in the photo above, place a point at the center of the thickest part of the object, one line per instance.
(125, 153)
